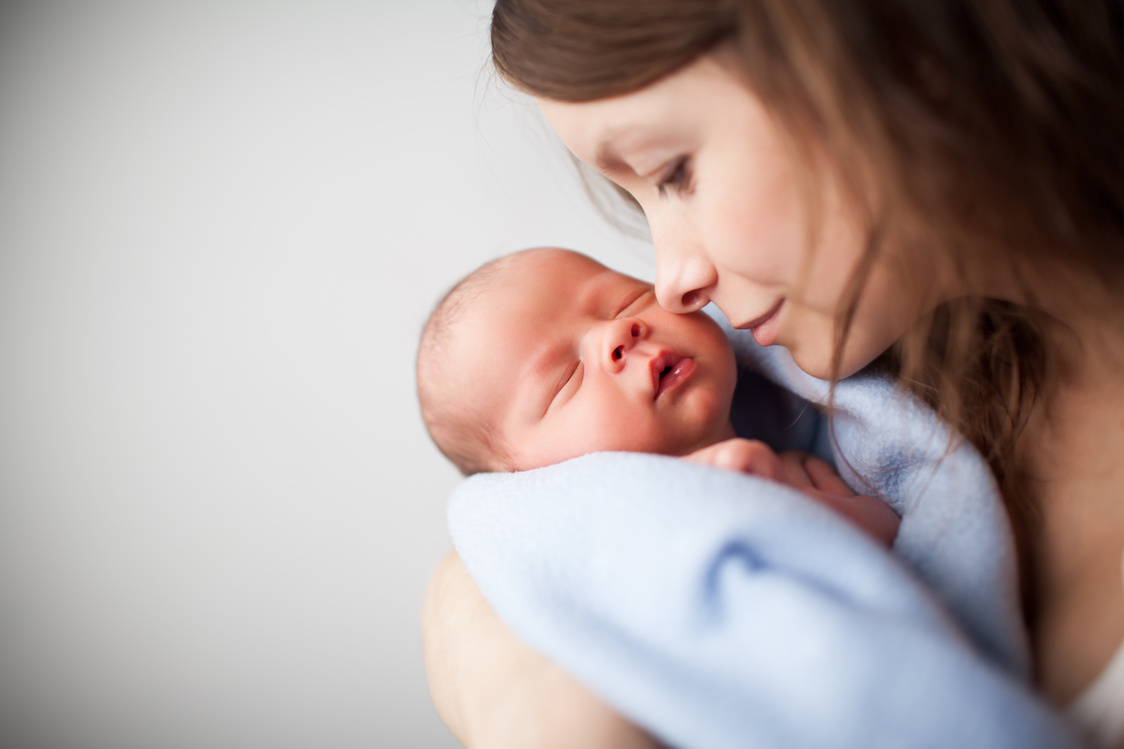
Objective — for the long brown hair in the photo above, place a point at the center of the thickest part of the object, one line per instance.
(991, 129)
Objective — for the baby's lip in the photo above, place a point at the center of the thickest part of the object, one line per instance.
(668, 371)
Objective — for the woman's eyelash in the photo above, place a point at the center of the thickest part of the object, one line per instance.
(677, 178)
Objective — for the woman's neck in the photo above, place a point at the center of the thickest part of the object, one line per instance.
(1078, 432)
(1073, 458)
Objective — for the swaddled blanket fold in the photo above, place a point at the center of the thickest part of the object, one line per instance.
(723, 610)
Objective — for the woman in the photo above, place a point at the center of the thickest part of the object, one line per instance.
(939, 184)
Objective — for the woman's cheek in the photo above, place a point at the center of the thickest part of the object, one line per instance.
(766, 246)
(741, 249)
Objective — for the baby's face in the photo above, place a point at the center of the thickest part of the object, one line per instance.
(571, 358)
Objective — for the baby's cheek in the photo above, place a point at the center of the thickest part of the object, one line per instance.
(707, 410)
(618, 430)
(649, 437)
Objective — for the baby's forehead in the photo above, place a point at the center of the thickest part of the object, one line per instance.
(550, 259)
(537, 292)
(565, 271)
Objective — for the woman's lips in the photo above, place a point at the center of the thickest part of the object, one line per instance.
(764, 328)
(669, 371)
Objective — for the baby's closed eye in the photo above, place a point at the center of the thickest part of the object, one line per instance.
(569, 382)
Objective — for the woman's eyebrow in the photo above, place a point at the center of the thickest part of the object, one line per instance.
(607, 157)
(607, 160)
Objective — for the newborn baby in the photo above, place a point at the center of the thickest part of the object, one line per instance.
(545, 355)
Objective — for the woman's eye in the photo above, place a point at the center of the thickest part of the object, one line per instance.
(677, 178)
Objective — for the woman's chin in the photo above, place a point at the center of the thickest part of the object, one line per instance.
(818, 360)
(821, 366)
(812, 362)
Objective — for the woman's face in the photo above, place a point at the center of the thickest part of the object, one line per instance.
(721, 193)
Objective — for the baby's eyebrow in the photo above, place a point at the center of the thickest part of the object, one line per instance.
(632, 298)
(591, 298)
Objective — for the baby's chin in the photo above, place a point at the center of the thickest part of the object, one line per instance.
(681, 442)
(719, 432)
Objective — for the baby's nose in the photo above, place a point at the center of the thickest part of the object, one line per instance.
(622, 336)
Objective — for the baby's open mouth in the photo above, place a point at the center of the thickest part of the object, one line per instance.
(669, 371)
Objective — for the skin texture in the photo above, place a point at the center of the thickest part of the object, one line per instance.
(500, 694)
(1078, 458)
(582, 339)
(565, 353)
(566, 356)
(698, 152)
(720, 192)
(706, 164)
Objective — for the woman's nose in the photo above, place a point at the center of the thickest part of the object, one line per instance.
(685, 278)
(618, 339)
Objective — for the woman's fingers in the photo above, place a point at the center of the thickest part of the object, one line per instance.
(825, 478)
(794, 468)
(742, 455)
(808, 474)
(805, 471)
(793, 471)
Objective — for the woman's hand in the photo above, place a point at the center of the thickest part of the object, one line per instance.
(741, 455)
(807, 473)
(494, 692)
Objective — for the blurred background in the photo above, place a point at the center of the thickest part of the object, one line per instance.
(222, 226)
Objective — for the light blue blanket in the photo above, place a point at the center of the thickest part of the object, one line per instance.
(723, 610)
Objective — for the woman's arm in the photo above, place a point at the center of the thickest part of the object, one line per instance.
(493, 691)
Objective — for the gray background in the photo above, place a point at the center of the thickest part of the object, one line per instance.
(222, 225)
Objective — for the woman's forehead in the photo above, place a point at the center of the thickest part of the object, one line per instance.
(603, 127)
